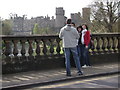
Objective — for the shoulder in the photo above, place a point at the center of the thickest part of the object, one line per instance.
(74, 29)
(62, 29)
(84, 31)
(88, 31)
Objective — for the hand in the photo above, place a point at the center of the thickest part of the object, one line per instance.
(86, 46)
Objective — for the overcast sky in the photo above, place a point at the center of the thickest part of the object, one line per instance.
(33, 8)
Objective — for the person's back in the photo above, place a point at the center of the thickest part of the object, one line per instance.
(69, 35)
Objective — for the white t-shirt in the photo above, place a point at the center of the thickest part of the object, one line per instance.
(83, 34)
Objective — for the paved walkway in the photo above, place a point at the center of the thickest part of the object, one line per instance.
(47, 76)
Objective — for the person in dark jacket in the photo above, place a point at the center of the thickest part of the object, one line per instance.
(80, 46)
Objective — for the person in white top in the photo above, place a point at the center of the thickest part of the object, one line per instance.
(85, 42)
(83, 34)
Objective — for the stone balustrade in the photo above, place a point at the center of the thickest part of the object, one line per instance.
(22, 53)
(105, 43)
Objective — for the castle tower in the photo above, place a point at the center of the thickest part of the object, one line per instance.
(76, 18)
(60, 18)
(86, 15)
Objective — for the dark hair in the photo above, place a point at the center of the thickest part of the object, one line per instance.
(68, 21)
(85, 26)
(79, 27)
(73, 23)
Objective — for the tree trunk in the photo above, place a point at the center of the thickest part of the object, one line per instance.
(110, 27)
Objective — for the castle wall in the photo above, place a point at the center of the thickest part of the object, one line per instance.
(76, 18)
(86, 15)
(84, 19)
(23, 26)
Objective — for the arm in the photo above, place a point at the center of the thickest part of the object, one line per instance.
(87, 38)
(61, 34)
(76, 34)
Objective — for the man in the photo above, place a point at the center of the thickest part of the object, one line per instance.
(70, 36)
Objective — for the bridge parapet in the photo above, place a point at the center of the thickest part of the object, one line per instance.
(23, 53)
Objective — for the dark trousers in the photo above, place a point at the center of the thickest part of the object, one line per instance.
(83, 55)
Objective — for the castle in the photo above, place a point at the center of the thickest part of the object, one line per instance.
(24, 26)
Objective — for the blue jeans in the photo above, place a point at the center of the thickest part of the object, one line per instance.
(86, 60)
(80, 49)
(75, 56)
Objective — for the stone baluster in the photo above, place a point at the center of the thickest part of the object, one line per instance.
(98, 44)
(23, 51)
(15, 52)
(113, 44)
(103, 45)
(7, 51)
(51, 46)
(15, 49)
(44, 47)
(93, 46)
(58, 49)
(108, 44)
(30, 50)
(37, 47)
(30, 62)
(118, 46)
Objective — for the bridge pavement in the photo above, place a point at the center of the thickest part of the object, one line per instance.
(56, 75)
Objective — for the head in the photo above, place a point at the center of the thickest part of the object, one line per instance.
(84, 26)
(73, 24)
(79, 28)
(69, 21)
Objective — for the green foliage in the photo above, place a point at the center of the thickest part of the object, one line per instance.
(43, 31)
(46, 31)
(6, 27)
(35, 29)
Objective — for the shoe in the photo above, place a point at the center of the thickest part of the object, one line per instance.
(89, 66)
(69, 75)
(84, 66)
(80, 73)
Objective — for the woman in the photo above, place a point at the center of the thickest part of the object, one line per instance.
(85, 39)
(80, 46)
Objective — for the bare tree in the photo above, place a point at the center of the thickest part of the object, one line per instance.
(106, 12)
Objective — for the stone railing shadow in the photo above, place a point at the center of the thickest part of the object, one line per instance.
(25, 53)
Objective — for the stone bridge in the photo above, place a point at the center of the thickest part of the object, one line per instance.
(27, 53)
